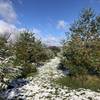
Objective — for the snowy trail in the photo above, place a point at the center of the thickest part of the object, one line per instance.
(41, 87)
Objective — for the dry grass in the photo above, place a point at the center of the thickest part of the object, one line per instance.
(89, 82)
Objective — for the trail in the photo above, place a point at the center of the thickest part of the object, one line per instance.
(42, 87)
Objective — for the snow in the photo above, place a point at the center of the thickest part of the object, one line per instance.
(41, 87)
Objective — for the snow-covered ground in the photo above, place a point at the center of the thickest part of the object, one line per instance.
(41, 87)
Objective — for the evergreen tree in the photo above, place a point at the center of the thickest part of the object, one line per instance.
(82, 53)
(29, 50)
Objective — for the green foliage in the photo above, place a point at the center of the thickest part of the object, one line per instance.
(27, 69)
(23, 47)
(28, 49)
(82, 53)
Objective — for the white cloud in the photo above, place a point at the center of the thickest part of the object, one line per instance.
(35, 30)
(6, 28)
(8, 18)
(51, 40)
(38, 33)
(7, 11)
(48, 39)
(62, 25)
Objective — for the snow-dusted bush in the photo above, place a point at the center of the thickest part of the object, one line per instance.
(8, 72)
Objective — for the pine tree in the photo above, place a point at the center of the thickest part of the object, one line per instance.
(82, 52)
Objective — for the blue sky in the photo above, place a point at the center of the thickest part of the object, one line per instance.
(49, 19)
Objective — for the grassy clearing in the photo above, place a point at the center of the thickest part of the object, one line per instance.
(91, 82)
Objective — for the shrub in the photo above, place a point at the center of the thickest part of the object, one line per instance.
(27, 69)
(8, 72)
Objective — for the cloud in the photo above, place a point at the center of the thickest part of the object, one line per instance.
(7, 11)
(6, 28)
(35, 30)
(48, 39)
(62, 25)
(51, 40)
(8, 19)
